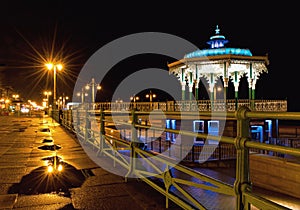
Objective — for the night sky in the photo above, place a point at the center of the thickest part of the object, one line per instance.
(74, 30)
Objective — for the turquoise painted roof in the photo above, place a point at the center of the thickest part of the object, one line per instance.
(217, 47)
(218, 51)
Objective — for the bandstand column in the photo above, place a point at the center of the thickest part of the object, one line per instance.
(191, 84)
(225, 88)
(236, 88)
(196, 89)
(211, 86)
(225, 80)
(211, 90)
(250, 81)
(253, 89)
(183, 84)
(183, 90)
(191, 91)
(196, 82)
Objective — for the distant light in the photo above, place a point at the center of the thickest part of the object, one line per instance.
(59, 67)
(49, 66)
(60, 167)
(24, 110)
(50, 169)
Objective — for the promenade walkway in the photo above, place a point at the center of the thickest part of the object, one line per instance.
(24, 183)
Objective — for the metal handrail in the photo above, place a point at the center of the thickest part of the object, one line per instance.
(108, 145)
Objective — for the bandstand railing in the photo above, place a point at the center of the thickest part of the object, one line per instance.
(179, 189)
(200, 105)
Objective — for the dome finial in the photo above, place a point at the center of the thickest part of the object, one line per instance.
(218, 40)
(217, 29)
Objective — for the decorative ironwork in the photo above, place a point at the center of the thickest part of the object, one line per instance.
(201, 105)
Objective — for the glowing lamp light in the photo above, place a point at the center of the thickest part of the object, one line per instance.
(49, 66)
(60, 167)
(59, 67)
(50, 169)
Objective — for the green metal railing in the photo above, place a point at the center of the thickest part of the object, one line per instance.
(229, 105)
(177, 188)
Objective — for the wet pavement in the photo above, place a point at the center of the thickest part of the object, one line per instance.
(26, 184)
(25, 154)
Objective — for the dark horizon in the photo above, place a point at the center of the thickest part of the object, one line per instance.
(31, 30)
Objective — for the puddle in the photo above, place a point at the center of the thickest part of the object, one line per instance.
(19, 130)
(47, 141)
(52, 147)
(51, 158)
(40, 180)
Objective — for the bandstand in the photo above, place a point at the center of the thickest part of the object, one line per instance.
(218, 62)
(223, 64)
(210, 66)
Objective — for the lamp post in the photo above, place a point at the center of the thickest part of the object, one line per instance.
(55, 67)
(134, 99)
(62, 101)
(16, 103)
(151, 96)
(118, 104)
(15, 96)
(82, 94)
(47, 93)
(93, 85)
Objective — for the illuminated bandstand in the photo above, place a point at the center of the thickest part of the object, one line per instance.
(220, 62)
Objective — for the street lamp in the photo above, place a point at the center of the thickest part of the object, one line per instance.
(82, 94)
(118, 104)
(93, 85)
(151, 96)
(15, 96)
(55, 67)
(62, 101)
(134, 98)
(16, 103)
(47, 93)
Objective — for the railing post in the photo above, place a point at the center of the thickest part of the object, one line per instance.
(193, 153)
(65, 117)
(169, 142)
(77, 120)
(159, 139)
(133, 144)
(87, 126)
(102, 132)
(242, 182)
(146, 132)
(220, 150)
(134, 132)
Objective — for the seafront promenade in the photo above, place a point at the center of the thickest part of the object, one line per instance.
(26, 184)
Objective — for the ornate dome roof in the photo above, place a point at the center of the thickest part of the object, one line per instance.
(217, 47)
